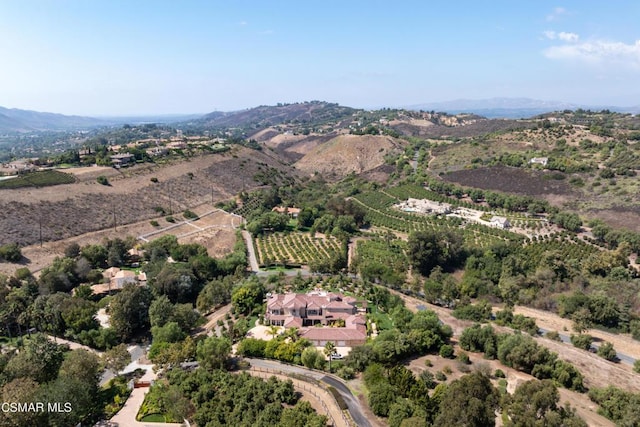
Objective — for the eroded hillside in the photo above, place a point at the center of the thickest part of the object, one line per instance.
(345, 154)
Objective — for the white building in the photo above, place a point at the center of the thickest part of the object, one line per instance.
(424, 206)
(500, 222)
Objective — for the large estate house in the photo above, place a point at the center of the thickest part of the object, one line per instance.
(320, 316)
(424, 206)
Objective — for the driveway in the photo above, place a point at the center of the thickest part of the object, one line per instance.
(253, 261)
(352, 402)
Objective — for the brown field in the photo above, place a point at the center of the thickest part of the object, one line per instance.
(69, 210)
(619, 217)
(511, 180)
(217, 234)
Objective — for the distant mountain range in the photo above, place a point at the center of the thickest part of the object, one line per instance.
(13, 120)
(511, 107)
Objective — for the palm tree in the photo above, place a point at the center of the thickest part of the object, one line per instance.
(273, 331)
(291, 333)
(329, 349)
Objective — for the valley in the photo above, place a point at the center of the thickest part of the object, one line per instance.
(513, 224)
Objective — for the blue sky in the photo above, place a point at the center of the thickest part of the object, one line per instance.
(159, 57)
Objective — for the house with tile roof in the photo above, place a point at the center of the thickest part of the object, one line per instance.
(320, 316)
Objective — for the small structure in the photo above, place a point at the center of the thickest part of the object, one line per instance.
(177, 145)
(292, 212)
(539, 161)
(424, 206)
(500, 222)
(122, 160)
(157, 151)
(116, 279)
(123, 277)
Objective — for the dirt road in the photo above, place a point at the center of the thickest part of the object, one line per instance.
(597, 371)
(212, 320)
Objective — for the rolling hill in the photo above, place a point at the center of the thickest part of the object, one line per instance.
(16, 120)
(313, 112)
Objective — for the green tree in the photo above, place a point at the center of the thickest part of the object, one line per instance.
(247, 297)
(129, 310)
(116, 358)
(428, 249)
(170, 332)
(10, 252)
(177, 282)
(329, 349)
(381, 397)
(21, 389)
(312, 358)
(39, 360)
(607, 351)
(213, 352)
(83, 366)
(536, 403)
(160, 311)
(582, 341)
(469, 401)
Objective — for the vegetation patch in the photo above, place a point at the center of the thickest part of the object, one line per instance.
(38, 179)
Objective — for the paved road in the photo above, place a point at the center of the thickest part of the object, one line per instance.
(253, 261)
(352, 402)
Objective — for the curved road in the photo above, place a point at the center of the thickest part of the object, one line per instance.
(352, 402)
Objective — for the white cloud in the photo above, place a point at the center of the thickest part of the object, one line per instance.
(242, 23)
(568, 37)
(565, 37)
(557, 13)
(596, 51)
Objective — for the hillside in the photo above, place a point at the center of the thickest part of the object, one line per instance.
(16, 120)
(312, 113)
(345, 154)
(84, 206)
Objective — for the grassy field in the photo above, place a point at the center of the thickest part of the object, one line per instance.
(38, 179)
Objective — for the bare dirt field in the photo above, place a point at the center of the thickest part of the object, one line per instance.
(349, 153)
(620, 217)
(511, 180)
(63, 211)
(216, 233)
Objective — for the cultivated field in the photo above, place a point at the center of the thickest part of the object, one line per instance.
(295, 248)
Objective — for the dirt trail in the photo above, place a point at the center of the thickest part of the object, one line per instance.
(552, 322)
(597, 371)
